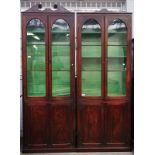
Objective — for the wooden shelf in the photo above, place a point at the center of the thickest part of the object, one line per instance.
(60, 43)
(118, 57)
(116, 70)
(91, 33)
(35, 43)
(59, 32)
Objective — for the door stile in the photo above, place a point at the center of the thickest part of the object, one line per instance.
(49, 81)
(103, 79)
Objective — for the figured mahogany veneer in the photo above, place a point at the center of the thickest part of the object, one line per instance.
(76, 122)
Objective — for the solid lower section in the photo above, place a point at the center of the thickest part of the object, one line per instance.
(98, 126)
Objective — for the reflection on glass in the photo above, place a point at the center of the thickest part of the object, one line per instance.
(91, 58)
(35, 57)
(91, 33)
(35, 32)
(117, 33)
(60, 58)
(117, 51)
(36, 81)
(60, 33)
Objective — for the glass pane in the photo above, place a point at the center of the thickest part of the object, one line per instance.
(117, 33)
(60, 58)
(58, 50)
(91, 83)
(117, 36)
(36, 90)
(35, 32)
(91, 51)
(91, 39)
(36, 77)
(116, 63)
(36, 83)
(93, 64)
(60, 33)
(91, 26)
(91, 33)
(35, 57)
(60, 83)
(61, 63)
(91, 59)
(117, 83)
(117, 51)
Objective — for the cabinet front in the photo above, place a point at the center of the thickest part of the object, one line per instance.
(76, 98)
(103, 79)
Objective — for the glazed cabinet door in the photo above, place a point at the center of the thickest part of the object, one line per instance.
(90, 75)
(35, 80)
(103, 80)
(118, 80)
(61, 81)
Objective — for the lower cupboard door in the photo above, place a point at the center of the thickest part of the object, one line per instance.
(62, 125)
(36, 126)
(117, 125)
(102, 125)
(90, 124)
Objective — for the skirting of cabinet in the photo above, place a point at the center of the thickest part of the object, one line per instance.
(101, 149)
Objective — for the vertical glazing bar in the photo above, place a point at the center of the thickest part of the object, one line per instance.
(75, 42)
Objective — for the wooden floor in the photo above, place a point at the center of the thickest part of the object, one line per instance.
(88, 153)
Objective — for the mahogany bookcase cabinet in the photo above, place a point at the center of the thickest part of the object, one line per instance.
(76, 80)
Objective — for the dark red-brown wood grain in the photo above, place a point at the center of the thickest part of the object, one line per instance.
(76, 123)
